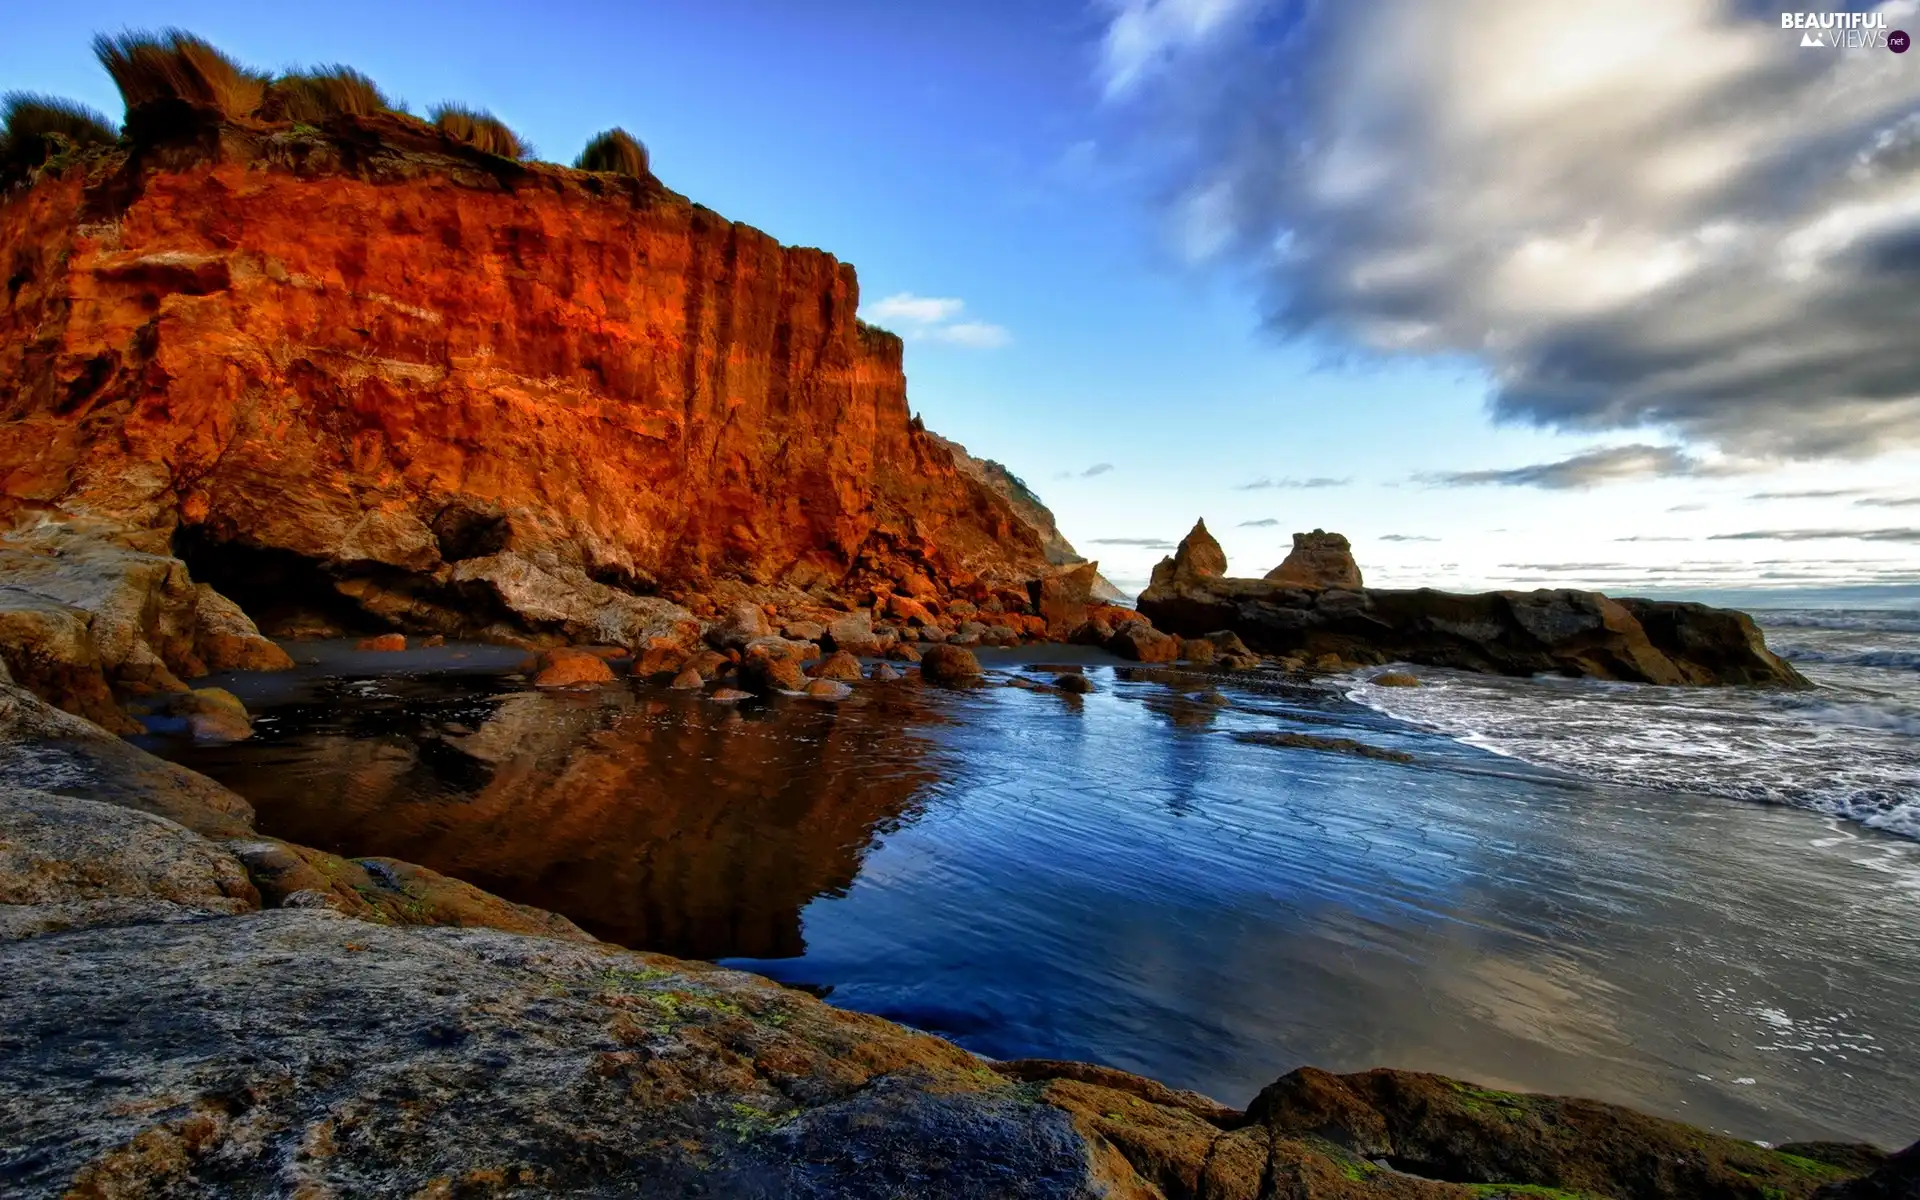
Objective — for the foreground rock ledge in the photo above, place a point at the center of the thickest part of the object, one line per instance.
(308, 1053)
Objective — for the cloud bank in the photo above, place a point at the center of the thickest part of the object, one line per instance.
(1613, 464)
(1636, 213)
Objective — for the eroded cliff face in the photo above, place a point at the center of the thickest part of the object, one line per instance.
(438, 383)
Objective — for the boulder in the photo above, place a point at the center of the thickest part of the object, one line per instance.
(949, 666)
(1395, 679)
(1318, 560)
(213, 715)
(567, 668)
(839, 665)
(386, 642)
(1141, 642)
(745, 622)
(1445, 1129)
(905, 652)
(727, 695)
(1198, 651)
(658, 656)
(766, 674)
(688, 680)
(828, 689)
(854, 634)
(908, 611)
(1062, 599)
(805, 631)
(883, 673)
(1079, 685)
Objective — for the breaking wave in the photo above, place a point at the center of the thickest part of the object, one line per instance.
(1849, 748)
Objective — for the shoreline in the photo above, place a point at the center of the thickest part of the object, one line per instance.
(149, 900)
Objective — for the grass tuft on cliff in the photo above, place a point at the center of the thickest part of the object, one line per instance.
(480, 129)
(615, 152)
(310, 97)
(175, 65)
(36, 129)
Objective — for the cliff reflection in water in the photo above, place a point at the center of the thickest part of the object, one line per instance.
(672, 822)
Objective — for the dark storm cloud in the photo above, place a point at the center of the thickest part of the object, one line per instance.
(1262, 523)
(1096, 469)
(1614, 464)
(1652, 215)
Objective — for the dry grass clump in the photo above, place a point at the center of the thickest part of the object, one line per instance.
(614, 152)
(175, 65)
(480, 129)
(310, 97)
(35, 128)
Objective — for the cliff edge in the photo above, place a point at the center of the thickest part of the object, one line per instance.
(371, 371)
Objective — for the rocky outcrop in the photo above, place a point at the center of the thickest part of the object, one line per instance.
(1028, 506)
(1318, 560)
(368, 378)
(92, 613)
(1561, 631)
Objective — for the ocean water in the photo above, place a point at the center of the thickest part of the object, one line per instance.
(1703, 904)
(1850, 747)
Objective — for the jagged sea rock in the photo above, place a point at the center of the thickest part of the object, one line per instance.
(1317, 560)
(1561, 631)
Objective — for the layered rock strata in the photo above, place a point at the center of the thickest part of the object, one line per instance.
(369, 377)
(1309, 611)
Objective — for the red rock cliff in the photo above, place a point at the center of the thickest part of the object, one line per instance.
(430, 374)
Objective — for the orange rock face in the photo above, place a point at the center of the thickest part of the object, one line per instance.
(466, 391)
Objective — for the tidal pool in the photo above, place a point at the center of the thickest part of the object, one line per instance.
(1123, 878)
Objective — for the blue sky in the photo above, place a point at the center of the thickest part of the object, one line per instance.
(1097, 192)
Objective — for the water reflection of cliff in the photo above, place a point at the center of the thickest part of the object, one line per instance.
(670, 824)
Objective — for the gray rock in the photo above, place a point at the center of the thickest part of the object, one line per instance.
(67, 863)
(301, 1052)
(43, 748)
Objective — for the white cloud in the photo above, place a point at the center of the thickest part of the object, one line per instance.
(1635, 213)
(931, 318)
(912, 309)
